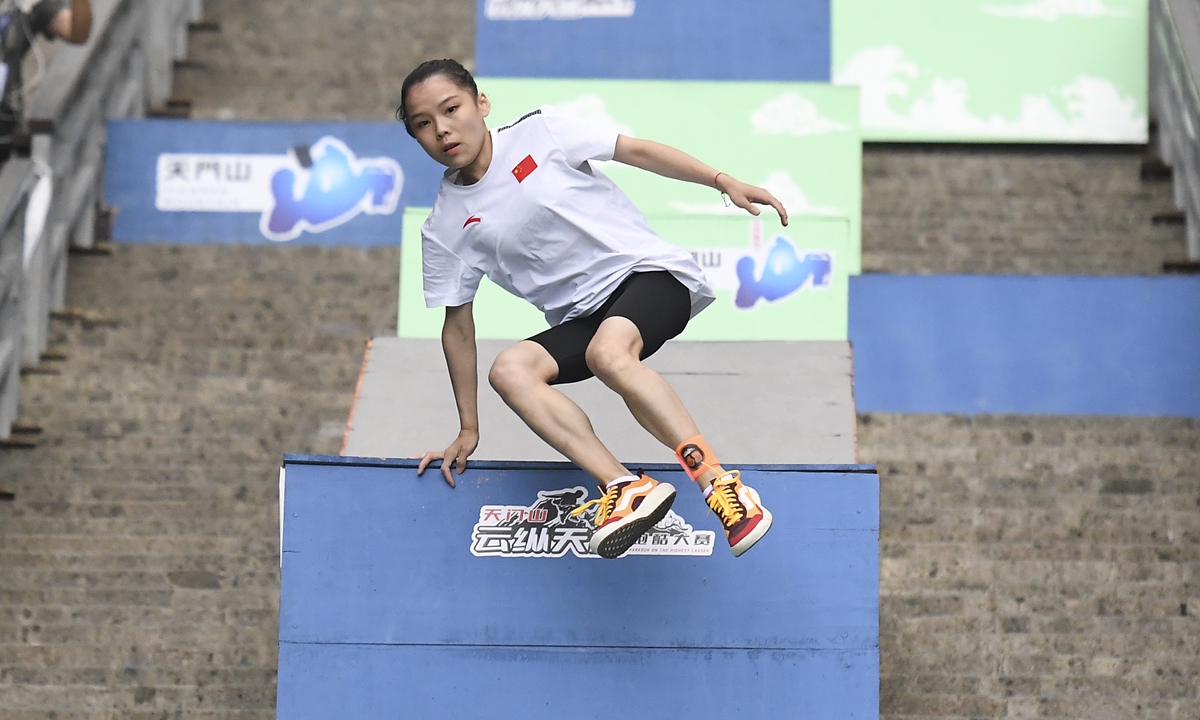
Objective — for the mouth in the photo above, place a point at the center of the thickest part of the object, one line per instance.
(450, 149)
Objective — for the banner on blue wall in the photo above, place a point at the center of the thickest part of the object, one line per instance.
(654, 39)
(241, 182)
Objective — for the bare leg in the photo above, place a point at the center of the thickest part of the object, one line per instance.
(614, 356)
(521, 375)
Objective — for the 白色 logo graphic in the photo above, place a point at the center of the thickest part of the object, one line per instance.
(546, 529)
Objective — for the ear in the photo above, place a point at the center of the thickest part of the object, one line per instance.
(485, 105)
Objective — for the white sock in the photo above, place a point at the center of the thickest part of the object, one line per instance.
(626, 478)
(709, 491)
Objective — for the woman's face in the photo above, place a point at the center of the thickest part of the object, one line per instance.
(447, 121)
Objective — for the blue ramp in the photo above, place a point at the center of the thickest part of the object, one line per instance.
(1027, 345)
(402, 597)
(655, 39)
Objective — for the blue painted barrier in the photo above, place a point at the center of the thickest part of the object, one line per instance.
(1027, 345)
(403, 597)
(253, 182)
(655, 39)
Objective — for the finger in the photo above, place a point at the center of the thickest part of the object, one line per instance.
(745, 203)
(461, 461)
(424, 462)
(446, 471)
(779, 208)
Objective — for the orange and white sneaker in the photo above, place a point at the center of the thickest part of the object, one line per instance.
(740, 510)
(627, 511)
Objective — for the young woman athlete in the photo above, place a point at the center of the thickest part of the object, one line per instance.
(523, 206)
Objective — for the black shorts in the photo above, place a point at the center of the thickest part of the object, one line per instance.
(658, 304)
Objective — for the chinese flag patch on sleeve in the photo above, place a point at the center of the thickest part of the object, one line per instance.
(524, 168)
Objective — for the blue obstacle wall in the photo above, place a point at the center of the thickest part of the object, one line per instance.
(231, 177)
(661, 39)
(395, 601)
(1058, 345)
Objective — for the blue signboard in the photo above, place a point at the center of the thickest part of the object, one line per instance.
(250, 182)
(654, 39)
(403, 597)
(1026, 345)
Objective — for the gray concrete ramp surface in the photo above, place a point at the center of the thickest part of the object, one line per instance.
(755, 402)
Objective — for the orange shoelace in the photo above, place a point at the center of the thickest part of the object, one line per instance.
(724, 500)
(607, 503)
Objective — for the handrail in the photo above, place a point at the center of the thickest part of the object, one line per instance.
(49, 201)
(1175, 102)
(16, 182)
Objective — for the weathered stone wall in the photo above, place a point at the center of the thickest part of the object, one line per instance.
(1019, 211)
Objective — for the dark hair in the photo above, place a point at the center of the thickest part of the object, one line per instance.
(452, 69)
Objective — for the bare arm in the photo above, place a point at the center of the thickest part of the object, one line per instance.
(74, 25)
(458, 344)
(669, 162)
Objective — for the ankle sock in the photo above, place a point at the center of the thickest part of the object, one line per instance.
(625, 478)
(696, 456)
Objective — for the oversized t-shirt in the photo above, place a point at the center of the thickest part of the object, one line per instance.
(545, 225)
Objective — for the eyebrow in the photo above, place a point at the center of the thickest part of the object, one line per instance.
(447, 99)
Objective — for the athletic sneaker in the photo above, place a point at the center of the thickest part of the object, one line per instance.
(740, 510)
(627, 511)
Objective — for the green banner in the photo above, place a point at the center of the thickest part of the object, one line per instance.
(995, 70)
(772, 282)
(799, 140)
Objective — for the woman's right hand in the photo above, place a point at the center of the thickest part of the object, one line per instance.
(457, 453)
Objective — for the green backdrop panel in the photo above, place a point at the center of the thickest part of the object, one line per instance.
(793, 286)
(996, 70)
(799, 140)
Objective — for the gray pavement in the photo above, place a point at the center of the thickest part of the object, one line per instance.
(405, 404)
(1031, 566)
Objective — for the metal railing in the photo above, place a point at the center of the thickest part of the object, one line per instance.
(49, 202)
(1175, 102)
(16, 181)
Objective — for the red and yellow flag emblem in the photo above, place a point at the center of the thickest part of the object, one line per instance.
(524, 168)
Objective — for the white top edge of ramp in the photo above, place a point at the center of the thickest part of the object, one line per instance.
(755, 402)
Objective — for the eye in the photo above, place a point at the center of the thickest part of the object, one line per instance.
(451, 109)
(422, 123)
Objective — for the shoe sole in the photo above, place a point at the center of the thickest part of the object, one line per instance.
(614, 542)
(759, 530)
(757, 534)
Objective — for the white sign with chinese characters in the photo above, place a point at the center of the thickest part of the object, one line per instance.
(547, 529)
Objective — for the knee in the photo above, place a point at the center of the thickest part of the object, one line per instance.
(609, 361)
(513, 372)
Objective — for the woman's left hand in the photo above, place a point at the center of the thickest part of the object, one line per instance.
(748, 197)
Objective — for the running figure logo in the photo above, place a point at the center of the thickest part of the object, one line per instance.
(783, 273)
(330, 187)
(546, 529)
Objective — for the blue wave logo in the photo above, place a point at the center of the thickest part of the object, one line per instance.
(328, 187)
(784, 272)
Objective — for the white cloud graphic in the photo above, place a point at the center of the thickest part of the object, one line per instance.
(557, 9)
(792, 114)
(593, 109)
(780, 184)
(1052, 10)
(1085, 109)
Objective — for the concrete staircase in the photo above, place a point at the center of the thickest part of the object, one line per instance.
(139, 562)
(1032, 566)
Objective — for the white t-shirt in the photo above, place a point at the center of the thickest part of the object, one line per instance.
(546, 226)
